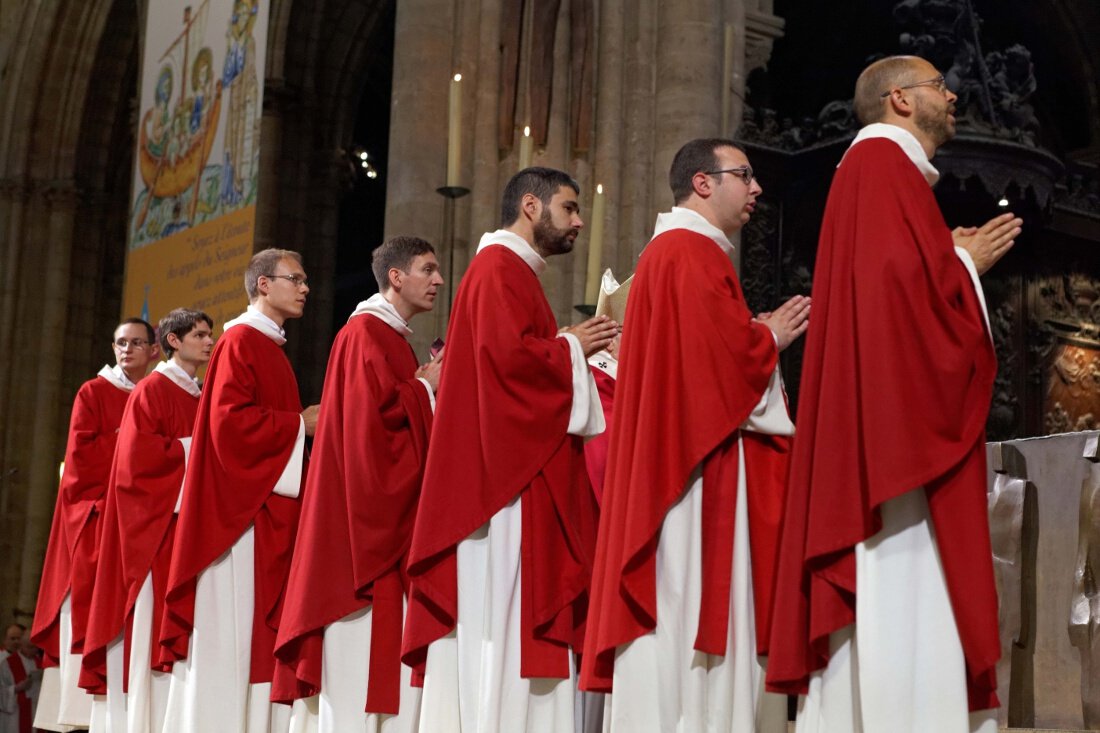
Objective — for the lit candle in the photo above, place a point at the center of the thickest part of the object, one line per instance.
(595, 248)
(526, 148)
(454, 131)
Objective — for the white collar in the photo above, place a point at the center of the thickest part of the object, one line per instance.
(906, 141)
(515, 243)
(179, 377)
(257, 320)
(693, 221)
(117, 377)
(382, 309)
(605, 362)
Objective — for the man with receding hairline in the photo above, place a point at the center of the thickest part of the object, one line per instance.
(339, 642)
(886, 609)
(238, 516)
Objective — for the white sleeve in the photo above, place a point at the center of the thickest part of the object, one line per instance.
(770, 415)
(290, 483)
(586, 415)
(7, 687)
(431, 392)
(968, 263)
(186, 442)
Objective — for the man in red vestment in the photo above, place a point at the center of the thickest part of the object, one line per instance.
(695, 471)
(238, 515)
(22, 674)
(68, 574)
(886, 521)
(502, 542)
(139, 524)
(344, 599)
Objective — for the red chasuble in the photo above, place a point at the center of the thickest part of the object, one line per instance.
(357, 514)
(500, 432)
(138, 522)
(595, 450)
(245, 430)
(896, 385)
(692, 367)
(74, 535)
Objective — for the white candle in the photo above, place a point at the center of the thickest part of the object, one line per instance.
(727, 81)
(595, 248)
(454, 131)
(526, 148)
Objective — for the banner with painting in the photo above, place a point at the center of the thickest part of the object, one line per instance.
(196, 167)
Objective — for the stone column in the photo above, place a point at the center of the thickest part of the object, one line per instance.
(61, 202)
(422, 67)
(688, 81)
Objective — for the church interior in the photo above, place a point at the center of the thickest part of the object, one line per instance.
(354, 137)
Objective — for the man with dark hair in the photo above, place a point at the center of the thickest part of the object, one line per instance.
(65, 592)
(139, 525)
(682, 580)
(886, 609)
(238, 516)
(502, 542)
(345, 594)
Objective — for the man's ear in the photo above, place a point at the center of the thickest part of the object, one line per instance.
(530, 205)
(395, 277)
(174, 341)
(702, 184)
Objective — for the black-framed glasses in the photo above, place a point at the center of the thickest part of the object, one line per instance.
(298, 280)
(743, 172)
(939, 83)
(121, 344)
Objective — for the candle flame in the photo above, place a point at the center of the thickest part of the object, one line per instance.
(599, 188)
(527, 131)
(458, 77)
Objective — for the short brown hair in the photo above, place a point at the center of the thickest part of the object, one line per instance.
(396, 252)
(180, 321)
(543, 183)
(696, 155)
(262, 263)
(139, 322)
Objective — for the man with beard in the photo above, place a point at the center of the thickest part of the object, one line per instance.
(886, 610)
(238, 516)
(340, 633)
(138, 529)
(502, 543)
(68, 574)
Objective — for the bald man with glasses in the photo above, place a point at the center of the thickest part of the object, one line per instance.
(886, 609)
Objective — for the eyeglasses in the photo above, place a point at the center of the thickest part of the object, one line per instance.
(743, 172)
(298, 280)
(121, 344)
(939, 83)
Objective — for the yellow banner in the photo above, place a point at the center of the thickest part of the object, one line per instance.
(196, 166)
(201, 268)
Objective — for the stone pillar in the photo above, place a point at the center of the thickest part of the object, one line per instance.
(61, 202)
(422, 67)
(688, 81)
